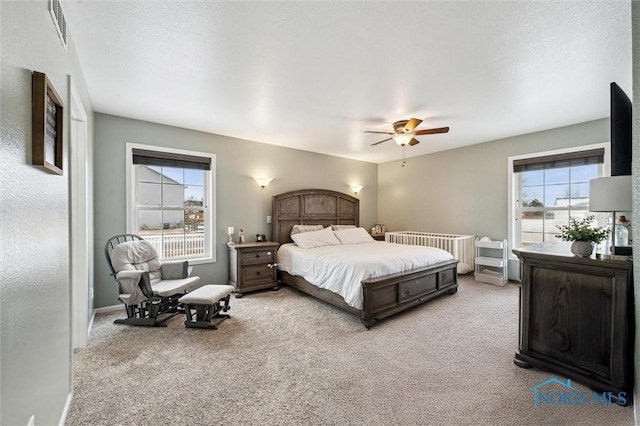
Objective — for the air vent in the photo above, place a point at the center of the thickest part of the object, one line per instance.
(55, 7)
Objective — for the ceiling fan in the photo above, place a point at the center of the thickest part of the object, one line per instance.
(405, 133)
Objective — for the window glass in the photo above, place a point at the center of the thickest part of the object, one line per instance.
(194, 232)
(533, 178)
(194, 177)
(163, 220)
(532, 196)
(172, 210)
(149, 194)
(193, 196)
(555, 176)
(172, 195)
(149, 222)
(547, 198)
(580, 194)
(584, 173)
(172, 175)
(529, 238)
(149, 174)
(557, 195)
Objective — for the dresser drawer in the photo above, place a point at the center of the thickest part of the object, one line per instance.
(258, 273)
(257, 256)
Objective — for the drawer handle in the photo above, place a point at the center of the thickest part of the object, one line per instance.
(271, 265)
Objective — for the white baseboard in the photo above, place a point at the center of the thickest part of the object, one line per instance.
(65, 412)
(112, 308)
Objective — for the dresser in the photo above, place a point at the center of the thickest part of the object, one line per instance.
(577, 317)
(252, 266)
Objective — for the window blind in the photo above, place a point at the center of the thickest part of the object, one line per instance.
(169, 159)
(569, 159)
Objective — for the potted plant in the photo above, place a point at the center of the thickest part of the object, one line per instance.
(582, 235)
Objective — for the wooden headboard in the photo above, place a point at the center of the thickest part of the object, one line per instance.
(312, 207)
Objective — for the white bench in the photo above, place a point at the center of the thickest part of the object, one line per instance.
(206, 302)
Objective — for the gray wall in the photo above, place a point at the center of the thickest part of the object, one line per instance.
(35, 330)
(241, 203)
(464, 191)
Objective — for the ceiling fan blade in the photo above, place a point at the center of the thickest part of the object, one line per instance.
(411, 124)
(377, 143)
(432, 131)
(382, 133)
(413, 142)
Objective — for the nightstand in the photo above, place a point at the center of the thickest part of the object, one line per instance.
(378, 237)
(252, 266)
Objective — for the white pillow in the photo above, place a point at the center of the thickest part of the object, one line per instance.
(313, 239)
(353, 236)
(341, 227)
(298, 229)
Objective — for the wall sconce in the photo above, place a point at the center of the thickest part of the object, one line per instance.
(356, 188)
(263, 181)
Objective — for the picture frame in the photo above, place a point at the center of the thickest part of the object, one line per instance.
(47, 125)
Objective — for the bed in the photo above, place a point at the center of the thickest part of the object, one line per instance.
(382, 296)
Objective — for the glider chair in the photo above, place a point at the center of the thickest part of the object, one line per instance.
(149, 288)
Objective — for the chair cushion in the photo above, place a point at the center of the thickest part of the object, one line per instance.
(175, 270)
(137, 255)
(170, 287)
(207, 295)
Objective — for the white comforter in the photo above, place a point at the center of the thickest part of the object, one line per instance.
(341, 268)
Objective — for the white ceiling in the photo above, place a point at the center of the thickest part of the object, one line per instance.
(315, 75)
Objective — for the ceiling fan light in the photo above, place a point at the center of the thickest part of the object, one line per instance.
(402, 138)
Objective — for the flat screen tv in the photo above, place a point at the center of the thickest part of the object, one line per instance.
(620, 132)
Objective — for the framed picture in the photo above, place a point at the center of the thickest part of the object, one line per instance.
(377, 229)
(47, 125)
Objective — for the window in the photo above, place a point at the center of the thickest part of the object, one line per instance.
(170, 201)
(549, 188)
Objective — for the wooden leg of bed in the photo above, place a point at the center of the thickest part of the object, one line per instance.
(368, 322)
(453, 290)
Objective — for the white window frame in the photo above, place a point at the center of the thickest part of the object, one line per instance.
(209, 208)
(513, 233)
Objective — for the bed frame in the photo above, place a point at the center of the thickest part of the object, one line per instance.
(383, 296)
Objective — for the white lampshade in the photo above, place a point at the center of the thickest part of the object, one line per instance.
(356, 188)
(610, 194)
(402, 138)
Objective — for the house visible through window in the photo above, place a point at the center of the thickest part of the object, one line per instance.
(550, 189)
(170, 201)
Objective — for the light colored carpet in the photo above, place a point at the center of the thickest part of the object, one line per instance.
(286, 358)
